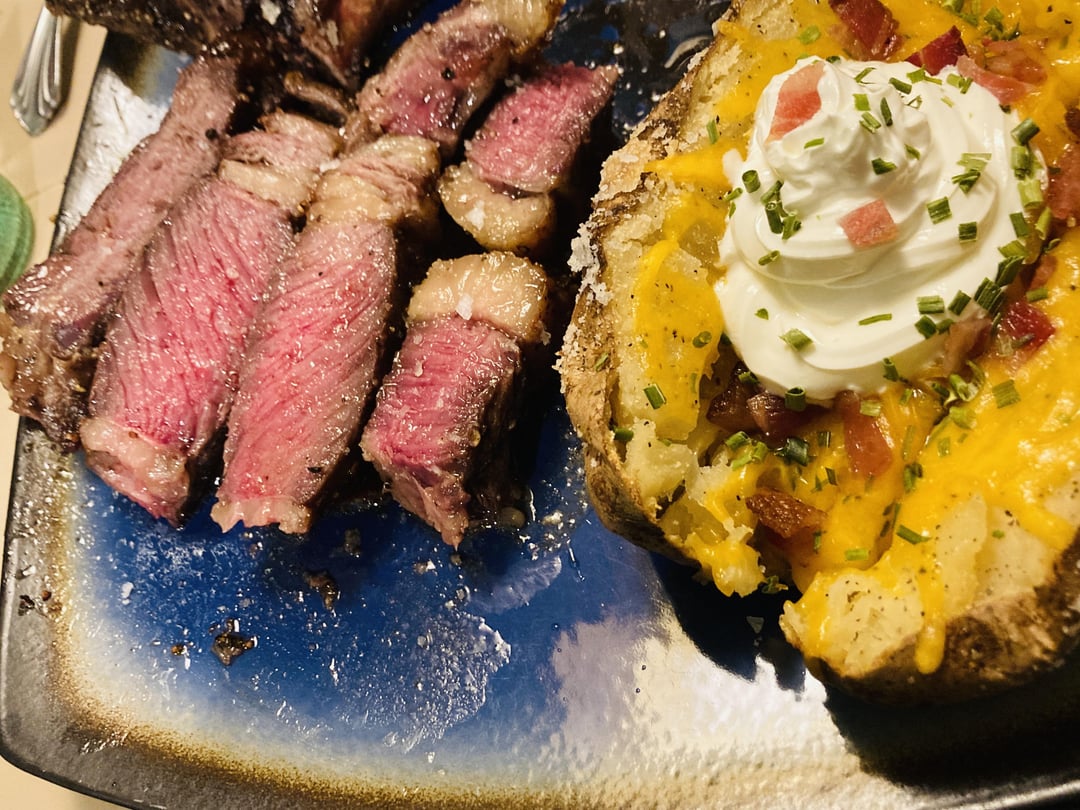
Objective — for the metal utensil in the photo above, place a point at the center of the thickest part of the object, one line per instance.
(38, 89)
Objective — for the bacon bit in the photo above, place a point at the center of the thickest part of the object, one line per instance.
(865, 441)
(798, 100)
(1027, 328)
(1043, 271)
(1014, 58)
(871, 28)
(966, 338)
(1072, 120)
(774, 418)
(869, 225)
(1006, 89)
(728, 409)
(784, 514)
(1063, 193)
(940, 53)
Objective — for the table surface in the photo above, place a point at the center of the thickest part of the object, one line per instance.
(37, 168)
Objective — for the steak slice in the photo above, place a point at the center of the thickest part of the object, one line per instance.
(169, 362)
(445, 410)
(330, 37)
(55, 316)
(502, 195)
(315, 352)
(435, 81)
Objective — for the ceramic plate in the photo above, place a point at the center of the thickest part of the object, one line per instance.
(369, 665)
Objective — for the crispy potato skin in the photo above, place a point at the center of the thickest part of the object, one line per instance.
(992, 647)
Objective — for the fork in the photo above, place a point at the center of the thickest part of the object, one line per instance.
(37, 92)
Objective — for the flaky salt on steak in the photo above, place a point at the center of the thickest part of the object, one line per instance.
(56, 315)
(168, 365)
(314, 353)
(447, 406)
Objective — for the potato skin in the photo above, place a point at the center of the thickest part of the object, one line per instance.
(991, 647)
(589, 374)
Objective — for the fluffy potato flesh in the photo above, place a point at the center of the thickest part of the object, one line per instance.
(951, 572)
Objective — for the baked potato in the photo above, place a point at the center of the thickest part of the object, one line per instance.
(922, 511)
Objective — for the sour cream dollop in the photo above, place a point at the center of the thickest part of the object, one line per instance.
(865, 244)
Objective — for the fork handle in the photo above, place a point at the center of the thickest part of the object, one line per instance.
(36, 94)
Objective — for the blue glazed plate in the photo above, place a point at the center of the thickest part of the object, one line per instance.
(370, 665)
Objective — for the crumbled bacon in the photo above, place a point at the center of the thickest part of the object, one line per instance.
(1043, 271)
(1063, 193)
(1026, 327)
(870, 27)
(1010, 71)
(728, 409)
(1016, 59)
(785, 514)
(965, 339)
(866, 443)
(798, 100)
(940, 53)
(774, 418)
(869, 225)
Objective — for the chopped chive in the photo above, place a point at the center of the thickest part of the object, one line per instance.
(967, 179)
(751, 181)
(774, 217)
(796, 450)
(965, 390)
(809, 35)
(994, 18)
(623, 434)
(882, 166)
(748, 378)
(702, 339)
(773, 192)
(1005, 394)
(789, 227)
(601, 361)
(870, 407)
(1037, 294)
(963, 83)
(736, 440)
(1025, 131)
(862, 74)
(944, 326)
(968, 231)
(912, 151)
(862, 102)
(890, 371)
(882, 316)
(989, 296)
(796, 339)
(1019, 224)
(710, 128)
(769, 257)
(1030, 192)
(830, 475)
(817, 540)
(959, 302)
(795, 399)
(910, 535)
(655, 396)
(763, 314)
(926, 326)
(1014, 249)
(1021, 160)
(1007, 270)
(856, 554)
(912, 472)
(962, 417)
(921, 75)
(939, 210)
(1042, 224)
(810, 144)
(900, 85)
(869, 123)
(930, 304)
(955, 6)
(732, 194)
(915, 103)
(886, 113)
(824, 438)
